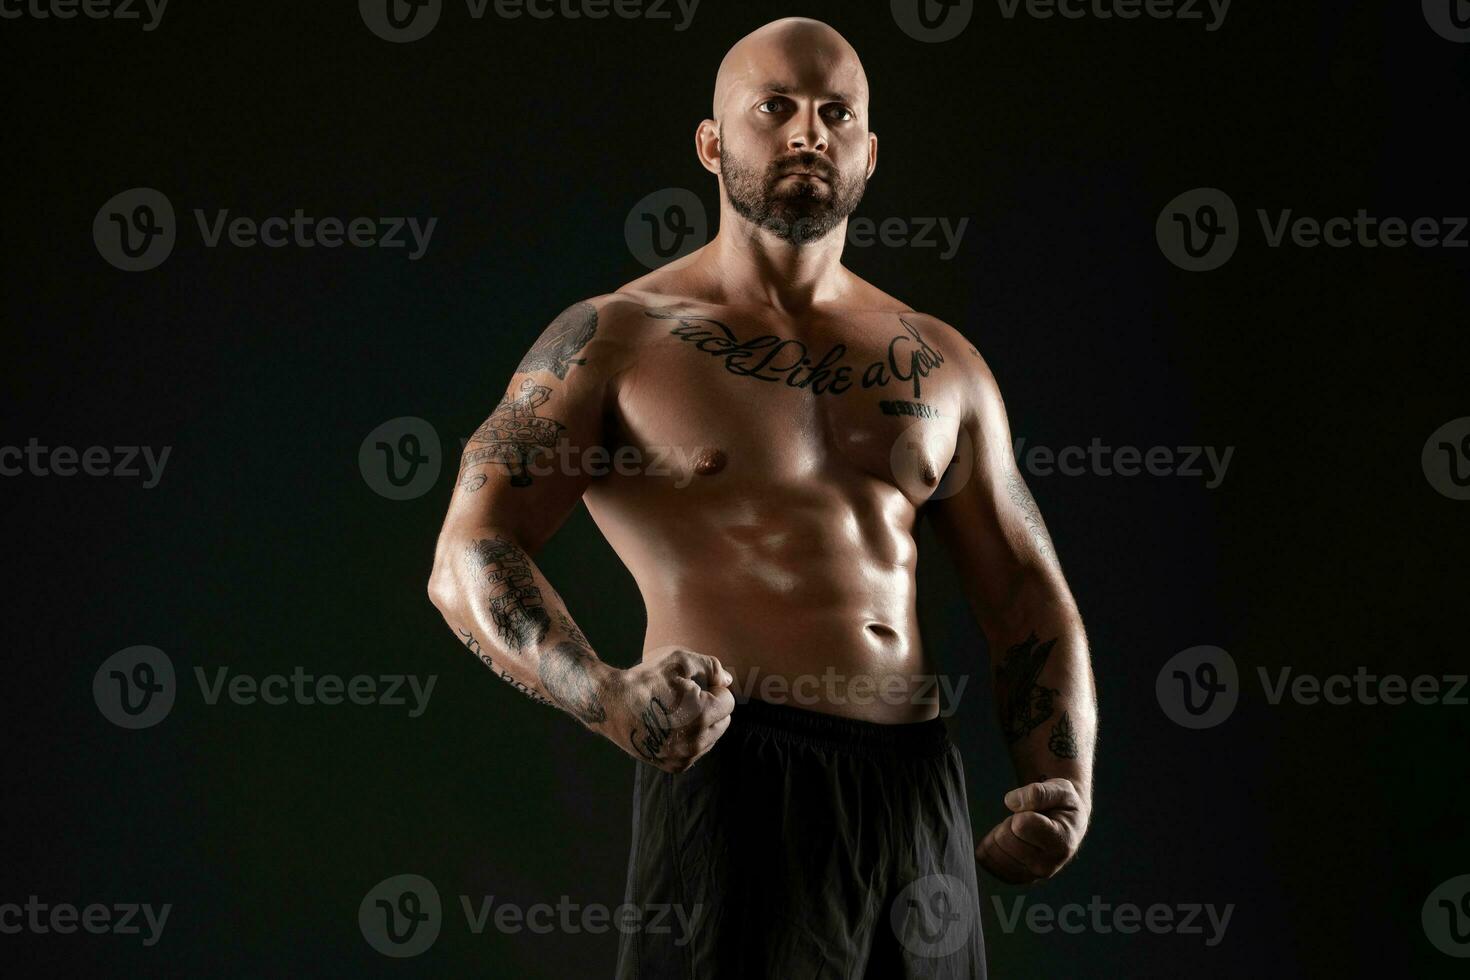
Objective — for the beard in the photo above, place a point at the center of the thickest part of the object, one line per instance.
(796, 211)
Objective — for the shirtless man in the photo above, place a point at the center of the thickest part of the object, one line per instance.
(819, 417)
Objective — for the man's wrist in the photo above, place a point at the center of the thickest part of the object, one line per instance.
(608, 681)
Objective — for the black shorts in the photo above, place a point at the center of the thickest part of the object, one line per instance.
(805, 846)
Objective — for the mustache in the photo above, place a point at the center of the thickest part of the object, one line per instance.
(813, 165)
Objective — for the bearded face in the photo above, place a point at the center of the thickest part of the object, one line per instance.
(798, 198)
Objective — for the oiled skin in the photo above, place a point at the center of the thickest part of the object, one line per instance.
(787, 554)
(796, 558)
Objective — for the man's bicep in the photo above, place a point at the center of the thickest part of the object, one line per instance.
(991, 524)
(527, 464)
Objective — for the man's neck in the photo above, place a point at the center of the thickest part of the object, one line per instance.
(758, 267)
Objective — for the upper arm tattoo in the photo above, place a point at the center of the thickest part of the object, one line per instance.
(556, 349)
(512, 436)
(1020, 495)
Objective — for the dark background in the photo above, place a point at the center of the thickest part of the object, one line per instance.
(264, 548)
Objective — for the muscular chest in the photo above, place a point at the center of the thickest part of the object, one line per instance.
(870, 394)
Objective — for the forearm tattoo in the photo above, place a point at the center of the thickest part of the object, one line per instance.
(512, 437)
(657, 726)
(1020, 495)
(1024, 703)
(565, 676)
(1063, 741)
(570, 629)
(474, 647)
(516, 608)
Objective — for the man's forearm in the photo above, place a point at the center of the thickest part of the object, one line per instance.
(1044, 691)
(504, 610)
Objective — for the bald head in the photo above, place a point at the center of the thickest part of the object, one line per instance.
(792, 53)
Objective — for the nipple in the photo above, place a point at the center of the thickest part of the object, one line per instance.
(708, 462)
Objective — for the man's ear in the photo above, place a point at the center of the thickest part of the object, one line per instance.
(872, 153)
(707, 145)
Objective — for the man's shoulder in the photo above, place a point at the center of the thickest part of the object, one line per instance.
(950, 339)
(977, 385)
(614, 319)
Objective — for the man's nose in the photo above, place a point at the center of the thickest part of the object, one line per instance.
(808, 134)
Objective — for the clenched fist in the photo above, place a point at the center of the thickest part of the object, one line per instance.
(670, 711)
(1042, 833)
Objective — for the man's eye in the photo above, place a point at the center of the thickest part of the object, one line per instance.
(774, 103)
(842, 112)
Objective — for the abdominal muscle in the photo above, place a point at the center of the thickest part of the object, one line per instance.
(810, 604)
